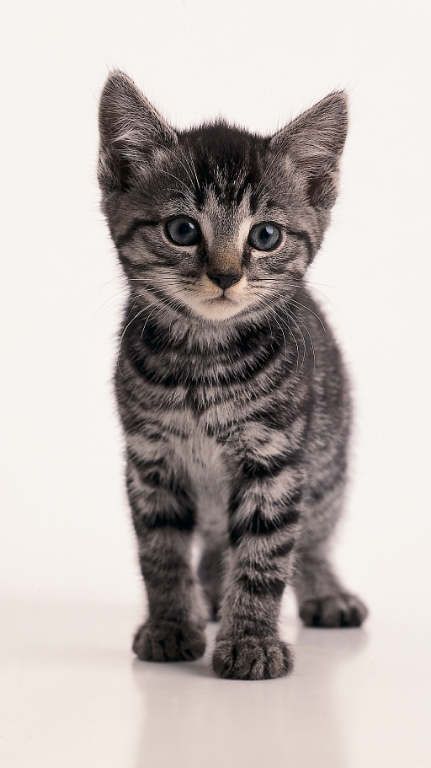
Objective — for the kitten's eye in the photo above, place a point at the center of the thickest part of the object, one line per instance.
(183, 231)
(265, 236)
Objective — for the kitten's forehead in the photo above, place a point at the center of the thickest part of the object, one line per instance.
(222, 176)
(226, 161)
(222, 221)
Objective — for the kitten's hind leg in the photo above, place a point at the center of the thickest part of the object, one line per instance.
(322, 600)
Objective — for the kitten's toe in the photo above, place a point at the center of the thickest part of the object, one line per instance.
(169, 641)
(252, 658)
(341, 610)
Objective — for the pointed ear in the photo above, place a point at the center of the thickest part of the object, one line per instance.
(314, 142)
(131, 132)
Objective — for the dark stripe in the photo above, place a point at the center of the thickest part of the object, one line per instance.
(171, 566)
(286, 502)
(180, 521)
(153, 435)
(249, 341)
(179, 308)
(145, 465)
(137, 421)
(154, 474)
(131, 229)
(260, 567)
(168, 372)
(279, 414)
(239, 192)
(255, 469)
(301, 234)
(282, 550)
(259, 525)
(262, 586)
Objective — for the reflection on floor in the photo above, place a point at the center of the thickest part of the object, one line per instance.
(72, 695)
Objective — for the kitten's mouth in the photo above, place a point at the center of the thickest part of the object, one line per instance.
(215, 303)
(221, 299)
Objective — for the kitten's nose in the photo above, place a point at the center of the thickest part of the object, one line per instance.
(225, 280)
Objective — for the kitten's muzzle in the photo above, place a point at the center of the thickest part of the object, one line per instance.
(225, 280)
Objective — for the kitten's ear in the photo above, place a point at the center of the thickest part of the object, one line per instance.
(315, 141)
(131, 132)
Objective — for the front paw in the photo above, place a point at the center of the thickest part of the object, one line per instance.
(252, 658)
(169, 641)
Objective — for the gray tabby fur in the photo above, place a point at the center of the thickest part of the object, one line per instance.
(235, 403)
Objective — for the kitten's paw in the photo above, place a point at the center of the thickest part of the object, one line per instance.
(252, 658)
(169, 641)
(341, 610)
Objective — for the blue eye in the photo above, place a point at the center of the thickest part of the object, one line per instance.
(265, 236)
(183, 231)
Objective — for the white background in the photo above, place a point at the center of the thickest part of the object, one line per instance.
(65, 531)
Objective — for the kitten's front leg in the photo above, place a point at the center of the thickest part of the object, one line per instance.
(264, 516)
(164, 516)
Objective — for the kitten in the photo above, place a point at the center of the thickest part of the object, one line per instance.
(231, 391)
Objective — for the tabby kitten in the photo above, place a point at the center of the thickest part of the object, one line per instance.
(232, 393)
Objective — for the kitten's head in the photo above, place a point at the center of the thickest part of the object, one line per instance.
(215, 221)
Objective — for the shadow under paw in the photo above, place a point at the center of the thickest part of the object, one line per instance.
(341, 610)
(252, 658)
(169, 641)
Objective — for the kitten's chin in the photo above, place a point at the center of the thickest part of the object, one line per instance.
(218, 309)
(210, 303)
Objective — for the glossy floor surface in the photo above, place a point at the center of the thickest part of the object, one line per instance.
(72, 695)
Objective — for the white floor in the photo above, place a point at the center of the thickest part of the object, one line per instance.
(72, 695)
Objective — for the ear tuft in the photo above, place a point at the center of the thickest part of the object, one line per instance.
(315, 141)
(131, 131)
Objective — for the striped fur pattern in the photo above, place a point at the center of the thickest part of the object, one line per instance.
(234, 400)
